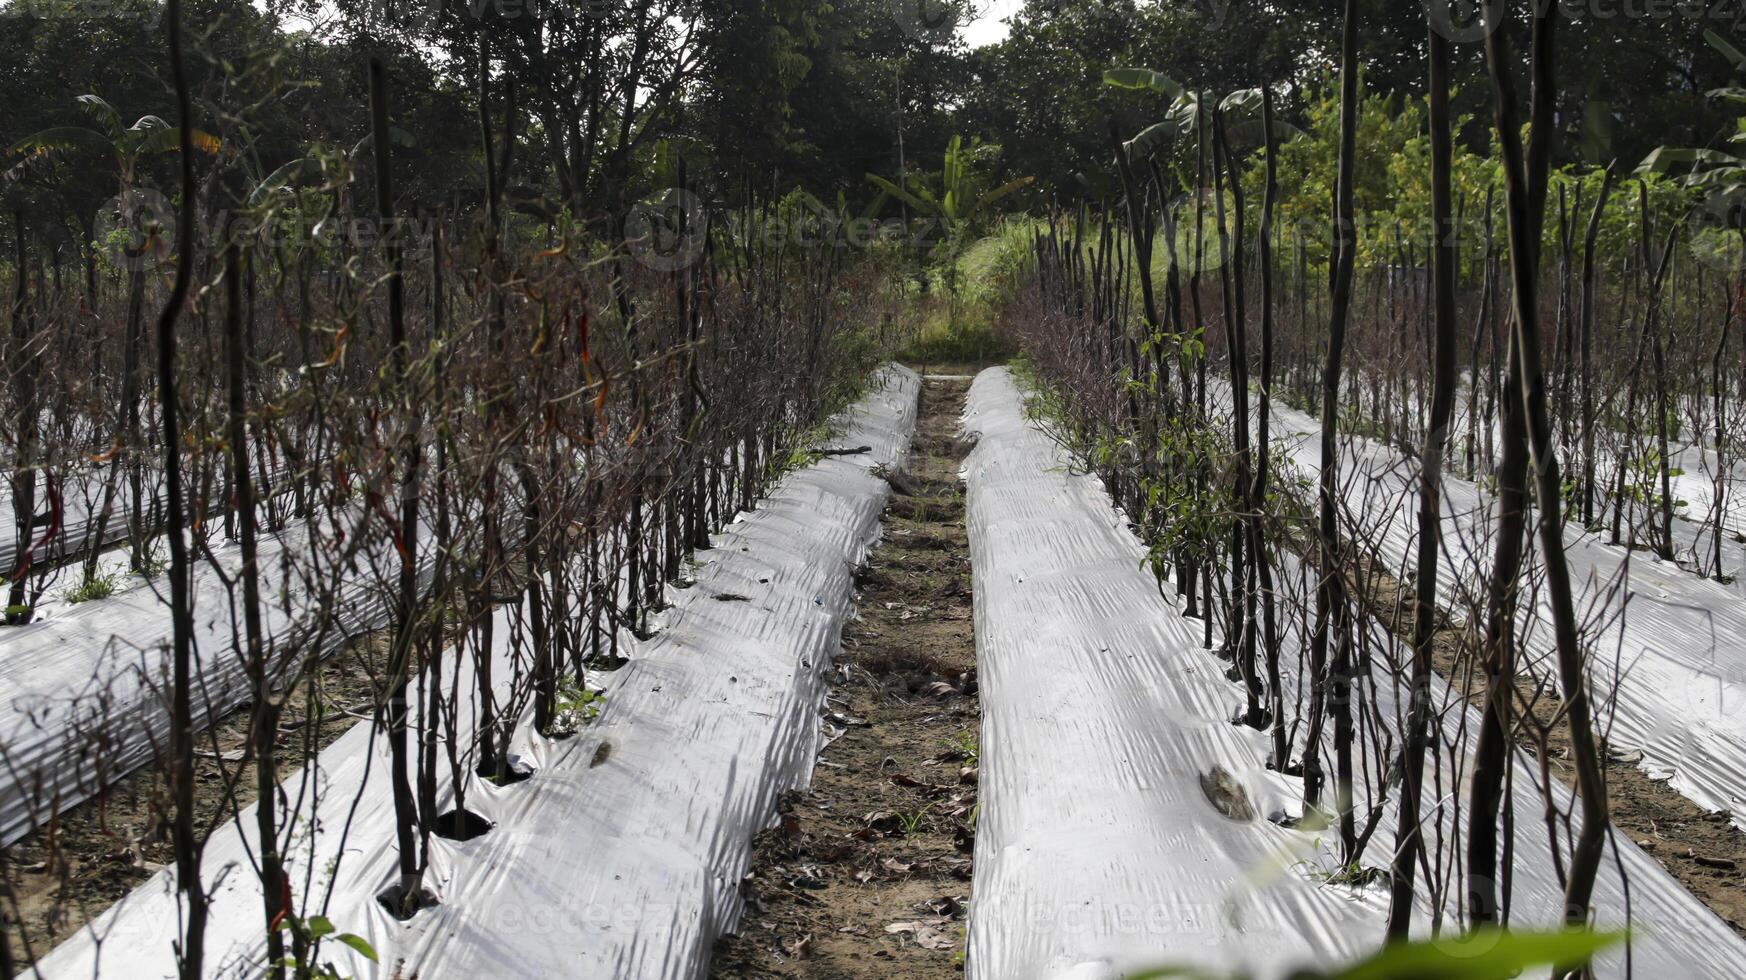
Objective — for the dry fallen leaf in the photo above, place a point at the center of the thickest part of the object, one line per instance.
(808, 878)
(947, 906)
(924, 934)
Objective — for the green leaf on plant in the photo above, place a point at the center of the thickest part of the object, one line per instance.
(1142, 78)
(1728, 50)
(360, 944)
(1489, 954)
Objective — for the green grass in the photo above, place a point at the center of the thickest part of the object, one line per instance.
(97, 586)
(959, 326)
(989, 267)
(973, 338)
(965, 743)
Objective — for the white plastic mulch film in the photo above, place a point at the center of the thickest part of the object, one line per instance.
(83, 687)
(81, 495)
(623, 855)
(1671, 667)
(1107, 841)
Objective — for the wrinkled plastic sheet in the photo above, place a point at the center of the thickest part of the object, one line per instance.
(1692, 462)
(83, 688)
(1668, 646)
(81, 501)
(77, 521)
(1099, 849)
(1694, 527)
(622, 856)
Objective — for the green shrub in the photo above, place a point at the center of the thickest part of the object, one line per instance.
(100, 585)
(574, 707)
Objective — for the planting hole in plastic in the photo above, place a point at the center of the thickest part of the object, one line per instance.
(509, 776)
(403, 899)
(461, 824)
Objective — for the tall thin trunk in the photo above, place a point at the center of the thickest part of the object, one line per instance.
(1719, 409)
(1140, 233)
(406, 821)
(187, 843)
(1445, 256)
(127, 449)
(265, 711)
(1199, 574)
(1645, 288)
(1481, 332)
(1239, 615)
(23, 476)
(1498, 650)
(7, 965)
(133, 433)
(1263, 452)
(1663, 466)
(1736, 292)
(435, 639)
(1563, 339)
(492, 757)
(1525, 184)
(1330, 614)
(1646, 339)
(1586, 347)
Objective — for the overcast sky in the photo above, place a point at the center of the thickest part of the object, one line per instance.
(988, 28)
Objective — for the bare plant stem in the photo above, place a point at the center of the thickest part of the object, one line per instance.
(1525, 184)
(405, 641)
(1409, 839)
(188, 845)
(1330, 627)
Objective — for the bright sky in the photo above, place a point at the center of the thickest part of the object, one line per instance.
(988, 28)
(985, 27)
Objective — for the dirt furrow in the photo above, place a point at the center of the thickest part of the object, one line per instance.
(868, 872)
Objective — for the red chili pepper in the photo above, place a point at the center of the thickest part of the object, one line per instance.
(284, 903)
(375, 501)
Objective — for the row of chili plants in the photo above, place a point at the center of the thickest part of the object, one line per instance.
(1137, 351)
(460, 409)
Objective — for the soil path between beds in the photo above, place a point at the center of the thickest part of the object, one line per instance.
(868, 872)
